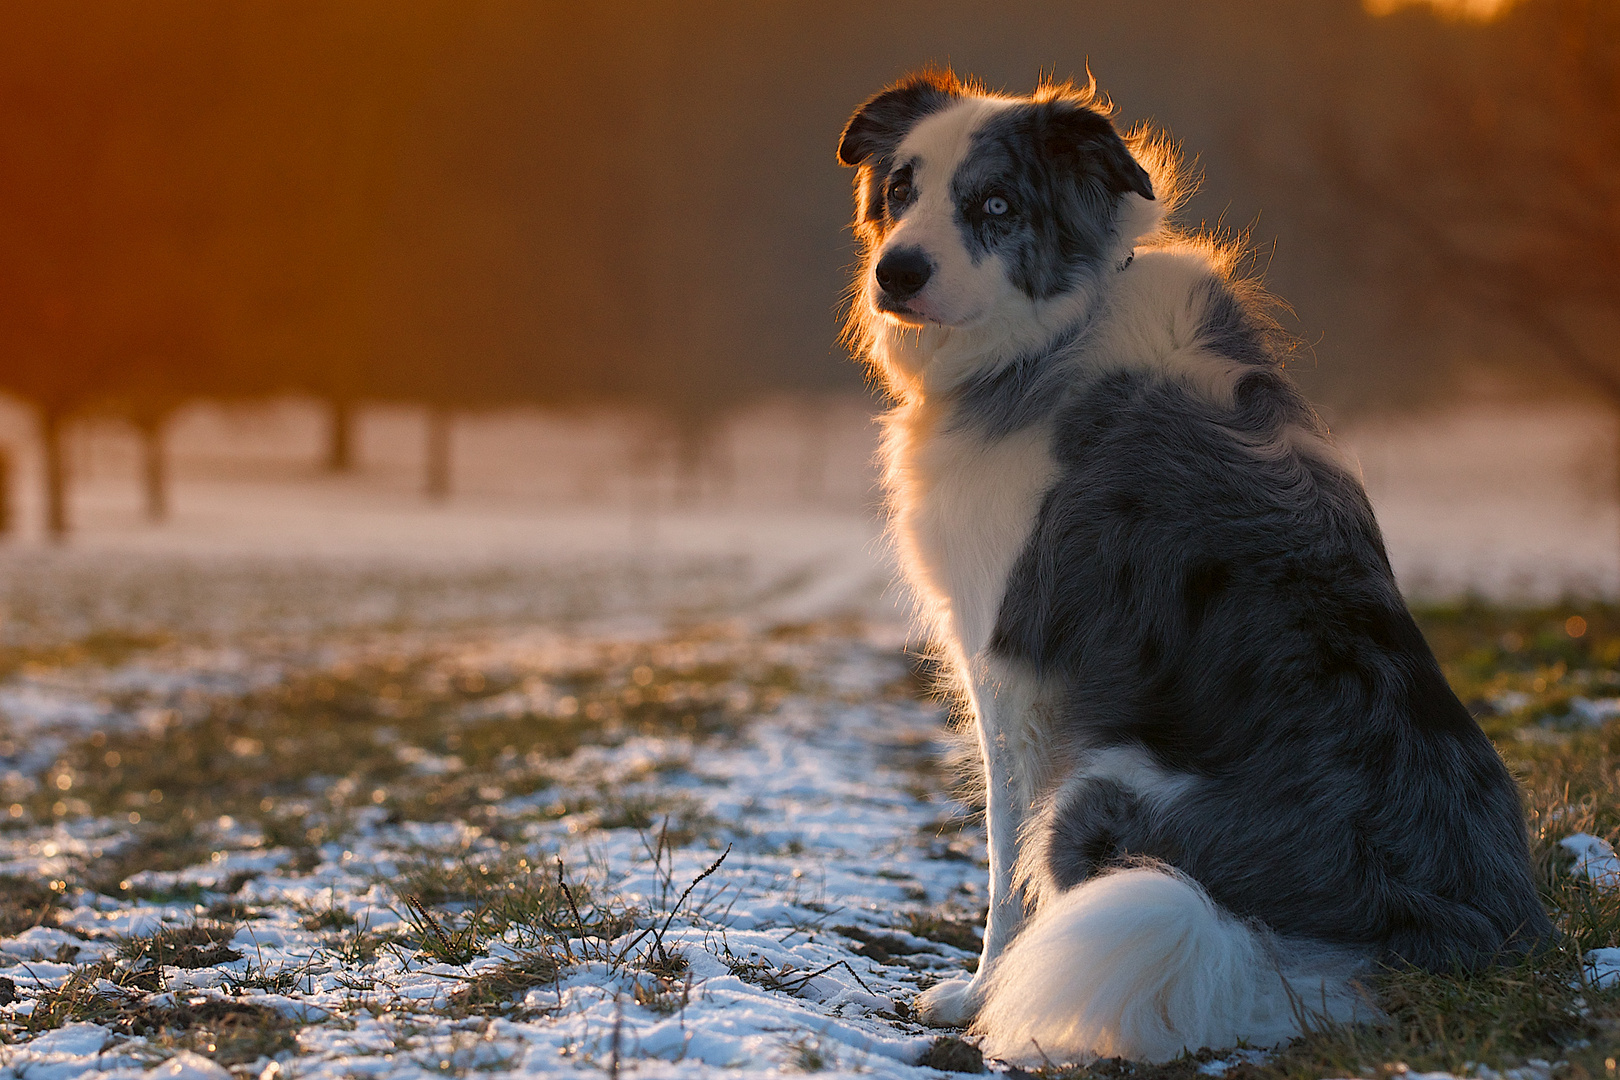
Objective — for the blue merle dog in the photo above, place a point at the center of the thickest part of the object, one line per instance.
(1224, 773)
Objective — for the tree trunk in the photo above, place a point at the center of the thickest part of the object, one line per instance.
(340, 437)
(440, 422)
(53, 432)
(8, 519)
(690, 452)
(154, 469)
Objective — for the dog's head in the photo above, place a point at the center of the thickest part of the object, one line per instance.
(973, 207)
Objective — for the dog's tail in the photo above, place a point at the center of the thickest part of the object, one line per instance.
(1142, 964)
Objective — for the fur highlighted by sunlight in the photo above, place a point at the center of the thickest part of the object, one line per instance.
(1223, 773)
(1140, 963)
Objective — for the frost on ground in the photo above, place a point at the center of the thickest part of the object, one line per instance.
(359, 822)
(457, 848)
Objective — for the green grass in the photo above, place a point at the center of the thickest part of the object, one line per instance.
(26, 902)
(196, 946)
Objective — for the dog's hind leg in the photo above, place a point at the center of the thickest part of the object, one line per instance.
(1002, 728)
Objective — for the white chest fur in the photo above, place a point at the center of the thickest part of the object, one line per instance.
(964, 507)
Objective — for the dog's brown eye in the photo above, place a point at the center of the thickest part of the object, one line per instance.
(899, 192)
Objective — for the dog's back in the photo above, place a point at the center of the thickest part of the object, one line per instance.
(1206, 587)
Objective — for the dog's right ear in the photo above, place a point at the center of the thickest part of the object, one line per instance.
(878, 126)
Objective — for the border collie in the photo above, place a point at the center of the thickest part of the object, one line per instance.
(1224, 774)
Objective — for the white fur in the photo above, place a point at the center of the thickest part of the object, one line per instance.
(1141, 964)
(963, 509)
(1152, 323)
(1010, 723)
(958, 293)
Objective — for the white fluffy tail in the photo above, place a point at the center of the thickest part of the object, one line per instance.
(1142, 964)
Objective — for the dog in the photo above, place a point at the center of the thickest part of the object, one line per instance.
(1224, 775)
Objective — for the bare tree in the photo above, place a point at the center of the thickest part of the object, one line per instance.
(1503, 189)
(1498, 195)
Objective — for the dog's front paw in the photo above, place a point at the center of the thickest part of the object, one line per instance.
(950, 1004)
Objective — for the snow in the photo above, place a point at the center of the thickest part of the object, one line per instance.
(1603, 968)
(827, 828)
(1594, 859)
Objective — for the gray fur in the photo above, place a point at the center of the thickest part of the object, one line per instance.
(1023, 392)
(1202, 593)
(1061, 167)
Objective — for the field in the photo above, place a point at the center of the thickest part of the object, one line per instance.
(277, 820)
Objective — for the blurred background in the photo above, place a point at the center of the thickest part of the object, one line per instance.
(500, 281)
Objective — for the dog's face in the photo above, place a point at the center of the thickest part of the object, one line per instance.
(968, 203)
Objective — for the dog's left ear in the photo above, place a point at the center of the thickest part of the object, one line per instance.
(878, 126)
(1088, 138)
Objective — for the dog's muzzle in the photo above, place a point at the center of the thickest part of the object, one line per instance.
(902, 273)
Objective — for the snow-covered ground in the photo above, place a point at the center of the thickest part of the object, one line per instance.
(798, 945)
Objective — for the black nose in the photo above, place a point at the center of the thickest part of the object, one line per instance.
(904, 272)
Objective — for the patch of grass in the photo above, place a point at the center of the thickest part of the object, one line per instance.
(1483, 646)
(492, 990)
(418, 732)
(278, 981)
(441, 939)
(959, 933)
(328, 918)
(681, 820)
(809, 1054)
(27, 902)
(881, 948)
(662, 995)
(231, 910)
(951, 1054)
(230, 1032)
(784, 979)
(499, 893)
(85, 995)
(105, 647)
(359, 945)
(173, 846)
(196, 946)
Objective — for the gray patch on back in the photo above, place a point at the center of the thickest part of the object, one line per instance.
(1231, 613)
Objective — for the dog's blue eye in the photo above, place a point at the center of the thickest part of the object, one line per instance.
(996, 205)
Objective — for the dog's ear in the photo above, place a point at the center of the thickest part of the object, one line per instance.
(878, 126)
(1073, 132)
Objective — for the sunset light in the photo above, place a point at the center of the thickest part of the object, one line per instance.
(754, 540)
(1474, 10)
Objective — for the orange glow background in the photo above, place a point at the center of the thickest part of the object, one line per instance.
(473, 203)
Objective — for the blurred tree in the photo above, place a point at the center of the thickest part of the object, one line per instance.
(1499, 192)
(190, 199)
(328, 92)
(469, 203)
(99, 223)
(8, 514)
